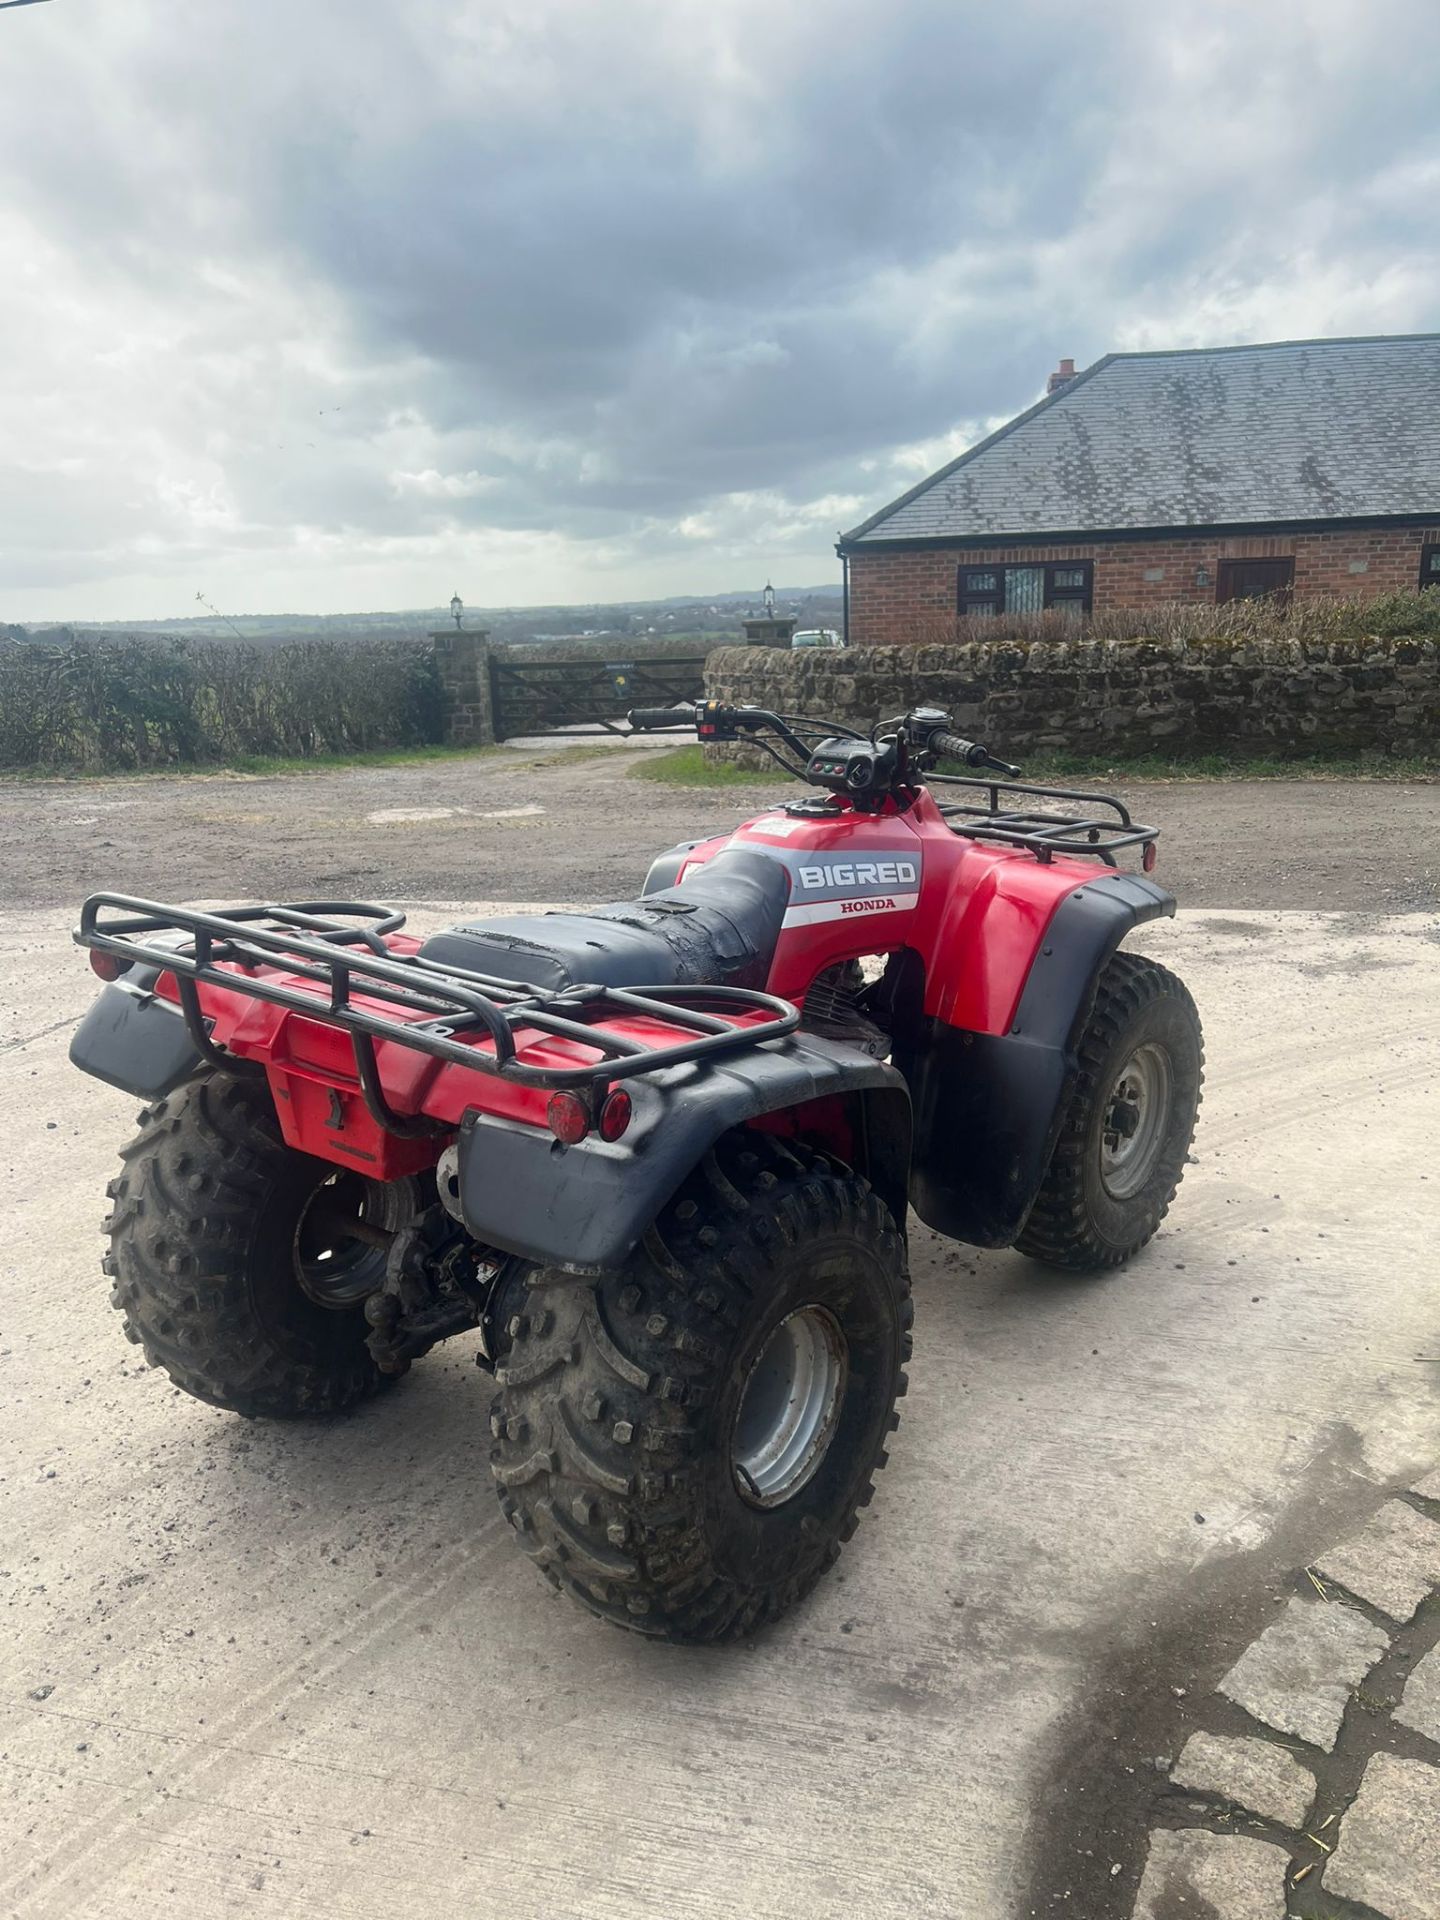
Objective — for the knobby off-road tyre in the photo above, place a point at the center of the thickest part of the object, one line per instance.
(1128, 1123)
(620, 1453)
(210, 1214)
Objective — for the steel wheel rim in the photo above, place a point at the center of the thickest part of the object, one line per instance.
(788, 1408)
(1137, 1114)
(336, 1268)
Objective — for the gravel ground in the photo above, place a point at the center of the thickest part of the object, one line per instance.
(289, 1670)
(286, 1670)
(534, 826)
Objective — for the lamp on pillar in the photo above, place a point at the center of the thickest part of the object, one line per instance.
(771, 629)
(467, 697)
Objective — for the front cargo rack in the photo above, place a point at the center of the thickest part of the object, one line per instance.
(1041, 832)
(340, 947)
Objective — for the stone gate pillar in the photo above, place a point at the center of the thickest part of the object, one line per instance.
(462, 658)
(773, 630)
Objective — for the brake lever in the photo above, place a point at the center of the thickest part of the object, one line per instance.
(1000, 766)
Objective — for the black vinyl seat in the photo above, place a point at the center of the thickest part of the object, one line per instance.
(718, 929)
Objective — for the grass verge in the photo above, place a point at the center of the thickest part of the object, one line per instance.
(687, 767)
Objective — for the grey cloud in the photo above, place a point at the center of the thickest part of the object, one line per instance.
(595, 270)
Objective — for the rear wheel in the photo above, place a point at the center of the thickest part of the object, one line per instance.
(684, 1444)
(1128, 1124)
(241, 1266)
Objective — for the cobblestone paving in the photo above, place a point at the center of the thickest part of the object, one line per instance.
(1420, 1704)
(1389, 1849)
(1393, 1563)
(1193, 1874)
(1323, 1802)
(1247, 1772)
(1298, 1676)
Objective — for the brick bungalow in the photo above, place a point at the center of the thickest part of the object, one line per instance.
(1307, 467)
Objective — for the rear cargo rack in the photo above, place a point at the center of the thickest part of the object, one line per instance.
(1044, 833)
(340, 947)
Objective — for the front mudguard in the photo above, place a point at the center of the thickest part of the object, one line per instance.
(988, 1107)
(583, 1208)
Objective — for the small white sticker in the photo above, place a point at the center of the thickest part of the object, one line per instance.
(774, 829)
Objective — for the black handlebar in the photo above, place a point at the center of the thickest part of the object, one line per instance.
(954, 746)
(726, 722)
(652, 719)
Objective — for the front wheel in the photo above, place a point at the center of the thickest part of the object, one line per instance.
(684, 1444)
(1128, 1123)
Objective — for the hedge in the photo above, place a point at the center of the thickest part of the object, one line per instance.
(1386, 616)
(116, 703)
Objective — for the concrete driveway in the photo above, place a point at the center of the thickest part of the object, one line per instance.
(302, 1671)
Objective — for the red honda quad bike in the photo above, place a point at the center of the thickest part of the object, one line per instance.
(658, 1154)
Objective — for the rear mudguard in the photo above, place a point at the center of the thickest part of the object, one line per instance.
(988, 1107)
(135, 1041)
(583, 1208)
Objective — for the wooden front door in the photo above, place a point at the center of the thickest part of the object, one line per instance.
(1255, 580)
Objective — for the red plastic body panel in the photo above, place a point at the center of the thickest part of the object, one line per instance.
(322, 1111)
(861, 884)
(977, 922)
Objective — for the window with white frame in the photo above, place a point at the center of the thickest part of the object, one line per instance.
(988, 590)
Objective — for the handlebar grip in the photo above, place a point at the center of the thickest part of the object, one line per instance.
(955, 746)
(651, 719)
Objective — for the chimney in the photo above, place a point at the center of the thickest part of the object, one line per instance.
(1062, 376)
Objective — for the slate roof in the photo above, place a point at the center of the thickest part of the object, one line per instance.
(1216, 436)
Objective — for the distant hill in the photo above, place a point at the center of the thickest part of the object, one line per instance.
(689, 616)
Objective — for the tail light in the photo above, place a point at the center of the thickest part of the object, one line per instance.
(615, 1114)
(568, 1118)
(107, 966)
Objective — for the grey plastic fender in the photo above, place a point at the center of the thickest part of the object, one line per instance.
(584, 1207)
(132, 1040)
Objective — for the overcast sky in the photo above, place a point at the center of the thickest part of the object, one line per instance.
(353, 303)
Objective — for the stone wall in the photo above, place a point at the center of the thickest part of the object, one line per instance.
(1273, 696)
(897, 595)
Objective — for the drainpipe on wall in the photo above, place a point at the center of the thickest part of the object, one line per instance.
(845, 594)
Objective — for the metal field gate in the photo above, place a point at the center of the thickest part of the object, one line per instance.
(542, 696)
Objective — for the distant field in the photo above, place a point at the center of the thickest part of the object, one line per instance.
(683, 619)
